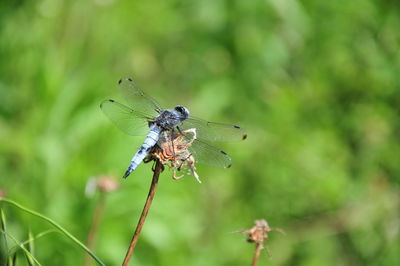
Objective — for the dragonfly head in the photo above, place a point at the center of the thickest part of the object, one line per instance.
(182, 111)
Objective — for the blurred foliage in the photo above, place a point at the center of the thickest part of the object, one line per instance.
(315, 83)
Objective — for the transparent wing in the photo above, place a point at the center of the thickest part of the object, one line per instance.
(138, 100)
(128, 120)
(204, 153)
(210, 131)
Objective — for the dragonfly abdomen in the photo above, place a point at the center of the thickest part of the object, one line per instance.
(149, 143)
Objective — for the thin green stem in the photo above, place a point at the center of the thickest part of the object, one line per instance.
(31, 239)
(3, 239)
(28, 254)
(56, 225)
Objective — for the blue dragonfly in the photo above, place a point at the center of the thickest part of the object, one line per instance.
(145, 117)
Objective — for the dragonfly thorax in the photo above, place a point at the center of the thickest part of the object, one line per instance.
(168, 119)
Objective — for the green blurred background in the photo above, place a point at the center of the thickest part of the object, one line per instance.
(316, 84)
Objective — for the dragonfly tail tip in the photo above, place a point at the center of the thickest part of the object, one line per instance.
(127, 173)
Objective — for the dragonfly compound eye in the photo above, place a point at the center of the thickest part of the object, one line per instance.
(182, 110)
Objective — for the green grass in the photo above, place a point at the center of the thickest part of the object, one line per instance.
(51, 222)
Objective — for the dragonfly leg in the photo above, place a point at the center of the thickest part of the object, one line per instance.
(174, 176)
(180, 131)
(183, 160)
(172, 142)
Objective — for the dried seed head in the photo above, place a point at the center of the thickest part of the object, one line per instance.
(102, 184)
(259, 233)
(2, 193)
(107, 184)
(175, 150)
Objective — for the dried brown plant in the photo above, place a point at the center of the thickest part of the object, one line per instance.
(259, 234)
(174, 149)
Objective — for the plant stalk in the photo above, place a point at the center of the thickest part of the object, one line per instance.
(91, 239)
(146, 208)
(257, 254)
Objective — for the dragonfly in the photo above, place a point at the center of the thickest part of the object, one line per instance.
(144, 116)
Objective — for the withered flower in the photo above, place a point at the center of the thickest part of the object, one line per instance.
(102, 183)
(259, 234)
(174, 149)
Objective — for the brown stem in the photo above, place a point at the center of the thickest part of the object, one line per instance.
(146, 208)
(257, 254)
(91, 239)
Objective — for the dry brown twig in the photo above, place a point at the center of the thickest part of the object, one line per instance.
(157, 170)
(174, 151)
(259, 234)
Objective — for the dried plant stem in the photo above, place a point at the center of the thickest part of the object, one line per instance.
(257, 254)
(91, 239)
(146, 208)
